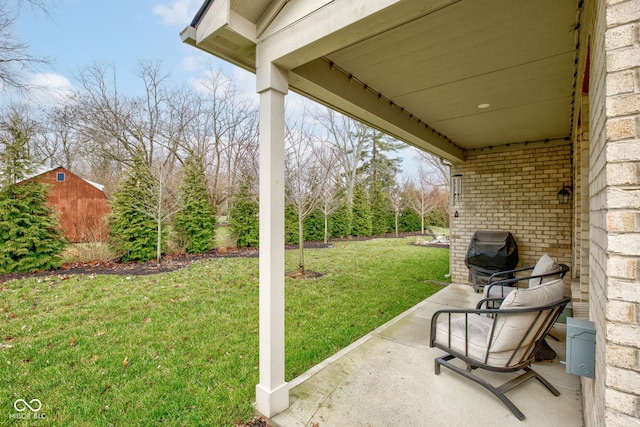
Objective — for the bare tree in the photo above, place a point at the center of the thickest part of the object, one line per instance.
(349, 140)
(164, 205)
(224, 133)
(161, 202)
(329, 201)
(439, 171)
(15, 56)
(123, 126)
(398, 203)
(422, 194)
(306, 175)
(440, 176)
(58, 142)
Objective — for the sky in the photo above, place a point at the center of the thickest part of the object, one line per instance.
(120, 34)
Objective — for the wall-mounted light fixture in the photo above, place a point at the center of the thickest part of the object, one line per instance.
(563, 195)
(456, 189)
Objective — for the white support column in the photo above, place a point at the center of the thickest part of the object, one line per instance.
(272, 393)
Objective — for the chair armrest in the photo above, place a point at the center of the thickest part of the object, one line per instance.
(487, 301)
(564, 269)
(507, 282)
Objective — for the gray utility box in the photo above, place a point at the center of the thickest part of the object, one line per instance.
(581, 347)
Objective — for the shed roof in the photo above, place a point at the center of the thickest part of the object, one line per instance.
(39, 169)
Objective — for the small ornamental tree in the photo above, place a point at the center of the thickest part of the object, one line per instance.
(132, 233)
(243, 220)
(195, 224)
(30, 237)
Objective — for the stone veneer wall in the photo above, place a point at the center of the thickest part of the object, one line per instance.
(514, 189)
(612, 398)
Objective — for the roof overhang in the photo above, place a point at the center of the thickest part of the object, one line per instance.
(418, 70)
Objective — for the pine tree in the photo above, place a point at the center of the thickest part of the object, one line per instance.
(244, 218)
(195, 224)
(382, 213)
(361, 212)
(132, 233)
(30, 237)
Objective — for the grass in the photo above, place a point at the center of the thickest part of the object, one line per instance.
(181, 348)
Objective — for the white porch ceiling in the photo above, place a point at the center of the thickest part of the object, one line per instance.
(438, 60)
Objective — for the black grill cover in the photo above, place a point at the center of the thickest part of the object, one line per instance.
(492, 250)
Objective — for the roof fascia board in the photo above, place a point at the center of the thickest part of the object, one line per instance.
(214, 19)
(316, 80)
(224, 33)
(219, 16)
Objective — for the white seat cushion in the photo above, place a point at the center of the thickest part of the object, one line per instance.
(479, 327)
(479, 330)
(509, 329)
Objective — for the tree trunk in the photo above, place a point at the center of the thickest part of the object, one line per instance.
(397, 223)
(159, 243)
(301, 242)
(326, 229)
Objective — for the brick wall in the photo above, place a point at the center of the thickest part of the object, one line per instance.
(613, 397)
(514, 189)
(593, 390)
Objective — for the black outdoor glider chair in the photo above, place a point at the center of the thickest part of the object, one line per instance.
(502, 339)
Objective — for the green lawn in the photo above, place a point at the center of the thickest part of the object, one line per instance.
(181, 348)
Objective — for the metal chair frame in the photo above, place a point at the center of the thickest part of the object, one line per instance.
(508, 279)
(548, 313)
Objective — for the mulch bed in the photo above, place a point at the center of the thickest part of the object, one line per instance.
(256, 422)
(169, 263)
(173, 262)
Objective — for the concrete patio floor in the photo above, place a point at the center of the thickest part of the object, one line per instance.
(387, 379)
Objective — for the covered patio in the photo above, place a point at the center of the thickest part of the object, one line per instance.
(522, 99)
(386, 379)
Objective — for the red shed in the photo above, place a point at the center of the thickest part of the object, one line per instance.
(81, 204)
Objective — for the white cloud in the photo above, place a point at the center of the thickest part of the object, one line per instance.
(191, 63)
(178, 12)
(48, 88)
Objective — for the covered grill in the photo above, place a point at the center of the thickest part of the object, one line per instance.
(490, 252)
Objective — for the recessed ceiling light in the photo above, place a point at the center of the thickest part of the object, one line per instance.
(484, 105)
